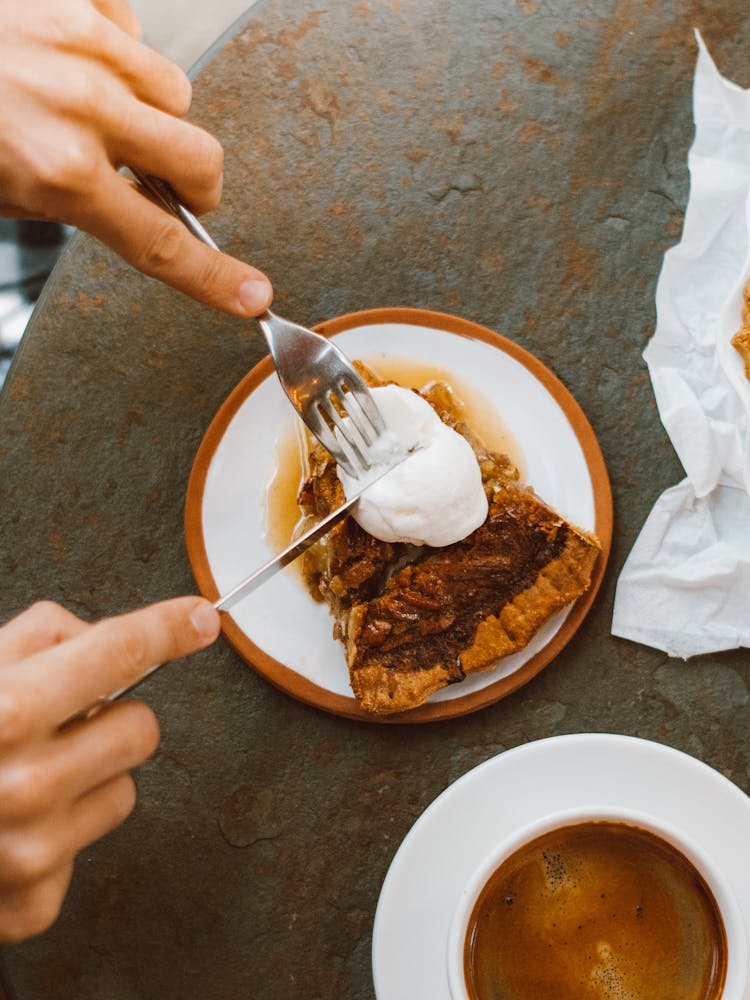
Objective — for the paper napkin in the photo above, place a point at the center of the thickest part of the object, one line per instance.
(685, 587)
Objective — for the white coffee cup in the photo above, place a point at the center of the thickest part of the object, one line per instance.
(736, 936)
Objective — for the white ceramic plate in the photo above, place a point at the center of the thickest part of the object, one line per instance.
(462, 825)
(279, 628)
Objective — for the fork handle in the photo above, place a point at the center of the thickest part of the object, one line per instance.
(167, 198)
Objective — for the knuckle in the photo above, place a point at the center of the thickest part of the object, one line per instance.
(124, 799)
(139, 730)
(87, 94)
(57, 25)
(77, 92)
(209, 278)
(162, 249)
(130, 651)
(77, 169)
(149, 731)
(207, 171)
(26, 858)
(181, 92)
(49, 614)
(72, 171)
(84, 31)
(14, 720)
(214, 166)
(46, 610)
(213, 158)
(74, 30)
(122, 645)
(23, 789)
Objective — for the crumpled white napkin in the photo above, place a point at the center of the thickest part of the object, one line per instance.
(685, 587)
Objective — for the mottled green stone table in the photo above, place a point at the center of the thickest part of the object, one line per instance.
(521, 164)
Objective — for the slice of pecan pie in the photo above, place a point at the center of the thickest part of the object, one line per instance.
(415, 619)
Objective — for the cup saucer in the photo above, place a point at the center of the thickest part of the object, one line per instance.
(462, 825)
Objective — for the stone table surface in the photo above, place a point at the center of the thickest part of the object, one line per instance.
(521, 164)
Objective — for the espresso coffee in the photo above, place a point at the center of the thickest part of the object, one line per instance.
(596, 911)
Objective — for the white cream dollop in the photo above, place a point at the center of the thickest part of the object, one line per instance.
(435, 495)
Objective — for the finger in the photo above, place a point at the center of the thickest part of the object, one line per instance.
(187, 157)
(112, 55)
(160, 246)
(118, 738)
(53, 775)
(31, 909)
(30, 855)
(42, 625)
(152, 77)
(120, 14)
(55, 684)
(99, 812)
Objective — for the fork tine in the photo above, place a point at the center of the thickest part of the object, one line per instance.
(351, 403)
(358, 390)
(348, 435)
(317, 425)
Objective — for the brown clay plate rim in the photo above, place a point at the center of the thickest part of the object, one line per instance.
(301, 687)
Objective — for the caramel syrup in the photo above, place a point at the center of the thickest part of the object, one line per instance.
(282, 517)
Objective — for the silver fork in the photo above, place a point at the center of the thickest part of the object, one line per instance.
(322, 384)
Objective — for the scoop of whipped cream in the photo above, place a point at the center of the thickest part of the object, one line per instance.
(435, 495)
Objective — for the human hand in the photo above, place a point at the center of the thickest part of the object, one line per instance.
(61, 789)
(81, 96)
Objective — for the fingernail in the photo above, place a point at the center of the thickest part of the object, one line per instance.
(254, 295)
(205, 621)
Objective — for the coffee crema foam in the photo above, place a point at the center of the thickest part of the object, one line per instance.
(596, 911)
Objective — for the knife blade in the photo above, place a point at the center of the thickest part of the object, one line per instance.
(291, 552)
